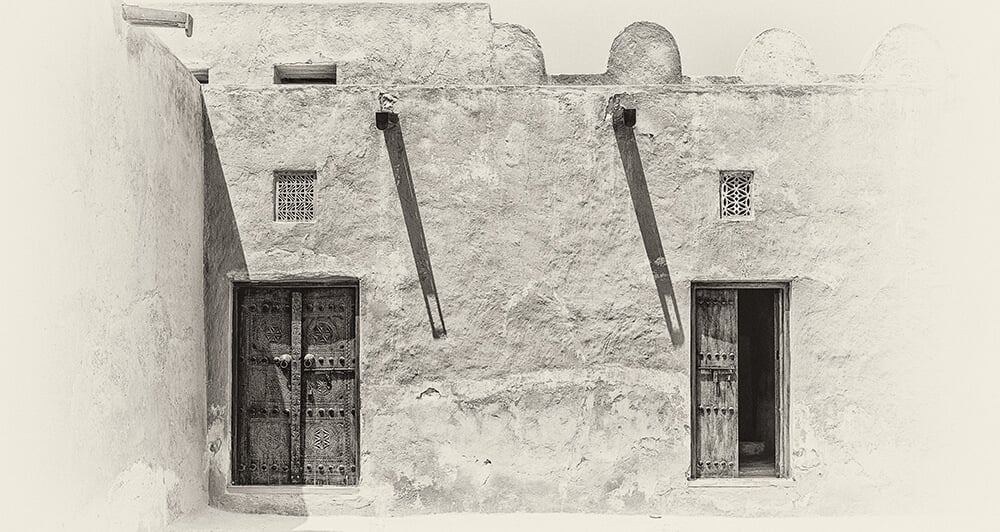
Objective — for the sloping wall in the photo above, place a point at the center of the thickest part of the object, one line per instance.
(105, 207)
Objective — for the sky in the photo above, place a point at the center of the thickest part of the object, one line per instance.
(576, 35)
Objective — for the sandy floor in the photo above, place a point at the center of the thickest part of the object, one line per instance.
(215, 520)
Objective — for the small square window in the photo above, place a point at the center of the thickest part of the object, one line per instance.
(735, 193)
(294, 192)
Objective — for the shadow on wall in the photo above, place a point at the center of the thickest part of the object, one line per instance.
(623, 120)
(223, 254)
(225, 261)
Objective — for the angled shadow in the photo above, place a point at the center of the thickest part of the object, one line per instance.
(389, 124)
(622, 121)
(225, 259)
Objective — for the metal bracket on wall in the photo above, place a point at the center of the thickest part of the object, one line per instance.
(161, 18)
(623, 119)
(388, 123)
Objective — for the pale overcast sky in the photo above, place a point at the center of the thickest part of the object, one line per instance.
(575, 35)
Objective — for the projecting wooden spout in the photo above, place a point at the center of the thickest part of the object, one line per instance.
(161, 18)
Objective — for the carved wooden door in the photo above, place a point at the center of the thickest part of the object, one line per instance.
(330, 367)
(716, 394)
(296, 386)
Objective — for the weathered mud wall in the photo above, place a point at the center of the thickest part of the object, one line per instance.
(107, 402)
(371, 43)
(557, 387)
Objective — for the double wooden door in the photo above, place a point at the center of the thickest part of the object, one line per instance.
(296, 385)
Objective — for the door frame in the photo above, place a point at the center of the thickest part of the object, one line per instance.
(236, 286)
(781, 369)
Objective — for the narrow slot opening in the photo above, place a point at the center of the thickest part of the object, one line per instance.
(758, 352)
(200, 74)
(310, 73)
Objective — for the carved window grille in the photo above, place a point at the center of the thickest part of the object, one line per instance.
(294, 195)
(736, 194)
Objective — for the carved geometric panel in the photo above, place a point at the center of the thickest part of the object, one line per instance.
(321, 439)
(263, 388)
(294, 196)
(330, 381)
(735, 193)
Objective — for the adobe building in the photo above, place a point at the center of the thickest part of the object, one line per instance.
(421, 275)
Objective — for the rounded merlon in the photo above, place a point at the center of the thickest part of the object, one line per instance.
(905, 54)
(517, 56)
(644, 53)
(777, 56)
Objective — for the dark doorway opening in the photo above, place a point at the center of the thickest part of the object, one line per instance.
(757, 353)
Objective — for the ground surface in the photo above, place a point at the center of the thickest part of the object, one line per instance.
(215, 520)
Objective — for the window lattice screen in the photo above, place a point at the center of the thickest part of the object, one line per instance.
(294, 193)
(735, 193)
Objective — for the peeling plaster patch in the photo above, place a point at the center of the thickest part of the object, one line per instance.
(216, 428)
(430, 393)
(514, 142)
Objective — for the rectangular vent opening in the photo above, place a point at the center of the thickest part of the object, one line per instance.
(736, 194)
(200, 74)
(306, 73)
(294, 196)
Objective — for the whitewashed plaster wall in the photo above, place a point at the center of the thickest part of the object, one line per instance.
(106, 337)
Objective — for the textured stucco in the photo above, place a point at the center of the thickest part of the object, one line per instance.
(557, 388)
(777, 56)
(420, 44)
(644, 53)
(109, 319)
